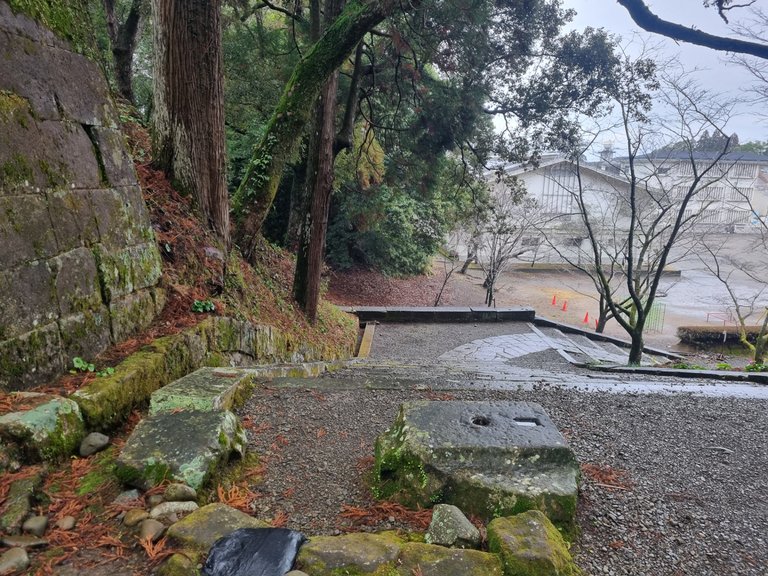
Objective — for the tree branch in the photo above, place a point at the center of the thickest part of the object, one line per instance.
(648, 21)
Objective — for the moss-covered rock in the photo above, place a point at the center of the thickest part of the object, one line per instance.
(44, 427)
(530, 545)
(187, 446)
(199, 531)
(205, 390)
(18, 503)
(430, 560)
(352, 554)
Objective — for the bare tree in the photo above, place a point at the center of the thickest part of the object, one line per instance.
(666, 189)
(744, 280)
(510, 216)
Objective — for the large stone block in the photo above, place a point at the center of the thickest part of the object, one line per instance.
(121, 217)
(25, 230)
(488, 458)
(118, 166)
(132, 313)
(27, 299)
(126, 270)
(74, 222)
(42, 426)
(31, 358)
(84, 334)
(47, 154)
(186, 446)
(77, 282)
(205, 390)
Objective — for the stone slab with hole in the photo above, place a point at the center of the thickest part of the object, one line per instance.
(490, 459)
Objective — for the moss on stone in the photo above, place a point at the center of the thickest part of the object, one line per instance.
(68, 19)
(14, 108)
(530, 545)
(15, 171)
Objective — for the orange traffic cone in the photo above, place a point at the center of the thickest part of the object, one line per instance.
(565, 305)
(554, 300)
(586, 318)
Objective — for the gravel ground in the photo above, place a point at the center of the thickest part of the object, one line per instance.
(694, 490)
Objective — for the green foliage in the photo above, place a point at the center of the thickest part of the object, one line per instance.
(724, 366)
(82, 365)
(203, 306)
(687, 366)
(756, 367)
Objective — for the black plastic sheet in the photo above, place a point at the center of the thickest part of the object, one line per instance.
(254, 552)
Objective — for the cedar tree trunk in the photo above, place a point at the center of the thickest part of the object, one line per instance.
(188, 118)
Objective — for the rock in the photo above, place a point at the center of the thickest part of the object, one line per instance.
(449, 527)
(127, 496)
(35, 525)
(66, 523)
(180, 565)
(179, 493)
(49, 430)
(204, 390)
(487, 458)
(134, 516)
(150, 529)
(24, 541)
(154, 500)
(200, 530)
(296, 573)
(359, 551)
(14, 560)
(18, 504)
(186, 446)
(94, 442)
(530, 545)
(168, 509)
(429, 560)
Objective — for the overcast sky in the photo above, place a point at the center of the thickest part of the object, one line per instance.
(716, 73)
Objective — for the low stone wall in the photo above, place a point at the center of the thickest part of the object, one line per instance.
(217, 341)
(78, 264)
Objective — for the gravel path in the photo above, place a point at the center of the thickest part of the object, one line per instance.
(693, 471)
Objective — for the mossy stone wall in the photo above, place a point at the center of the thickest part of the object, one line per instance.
(78, 263)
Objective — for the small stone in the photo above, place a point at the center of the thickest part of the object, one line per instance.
(167, 509)
(35, 525)
(151, 530)
(449, 527)
(127, 496)
(296, 573)
(24, 541)
(66, 523)
(94, 442)
(14, 560)
(154, 500)
(179, 493)
(134, 516)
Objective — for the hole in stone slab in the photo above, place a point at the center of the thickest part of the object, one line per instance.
(481, 421)
(527, 422)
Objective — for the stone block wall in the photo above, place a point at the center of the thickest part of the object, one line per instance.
(78, 261)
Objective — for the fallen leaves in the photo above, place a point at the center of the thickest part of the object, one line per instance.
(418, 520)
(237, 496)
(607, 477)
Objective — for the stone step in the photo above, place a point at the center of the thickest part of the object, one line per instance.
(185, 446)
(204, 390)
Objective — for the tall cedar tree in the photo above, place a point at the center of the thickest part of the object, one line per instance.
(188, 116)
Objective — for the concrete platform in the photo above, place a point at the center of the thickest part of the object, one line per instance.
(441, 314)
